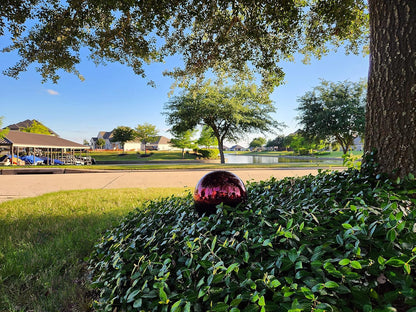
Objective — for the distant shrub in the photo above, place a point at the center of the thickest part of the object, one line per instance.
(211, 153)
(339, 241)
(304, 151)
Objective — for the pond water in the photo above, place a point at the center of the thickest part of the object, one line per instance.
(250, 159)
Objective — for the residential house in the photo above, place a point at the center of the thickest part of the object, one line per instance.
(237, 148)
(107, 137)
(160, 144)
(358, 144)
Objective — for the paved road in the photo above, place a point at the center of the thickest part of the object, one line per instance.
(28, 185)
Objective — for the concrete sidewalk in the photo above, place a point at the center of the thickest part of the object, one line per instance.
(29, 185)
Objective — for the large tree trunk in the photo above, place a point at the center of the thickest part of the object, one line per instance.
(391, 96)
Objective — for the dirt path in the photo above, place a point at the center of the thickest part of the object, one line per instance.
(28, 185)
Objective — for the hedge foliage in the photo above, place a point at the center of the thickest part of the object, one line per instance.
(209, 153)
(342, 241)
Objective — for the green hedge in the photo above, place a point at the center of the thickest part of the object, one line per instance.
(211, 153)
(339, 241)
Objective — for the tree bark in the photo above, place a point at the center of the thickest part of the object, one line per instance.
(391, 95)
(221, 149)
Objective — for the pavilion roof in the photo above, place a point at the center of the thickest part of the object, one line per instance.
(26, 139)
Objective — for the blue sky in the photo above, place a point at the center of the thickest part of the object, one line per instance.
(113, 95)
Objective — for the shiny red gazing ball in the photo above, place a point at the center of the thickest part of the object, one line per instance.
(218, 187)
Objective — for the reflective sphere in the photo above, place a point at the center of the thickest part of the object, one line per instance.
(218, 187)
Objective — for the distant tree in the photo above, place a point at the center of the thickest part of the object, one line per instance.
(298, 142)
(295, 141)
(37, 127)
(123, 134)
(100, 142)
(276, 142)
(334, 111)
(258, 142)
(3, 132)
(231, 111)
(207, 137)
(85, 142)
(146, 133)
(184, 140)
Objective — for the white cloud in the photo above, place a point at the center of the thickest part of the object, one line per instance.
(52, 92)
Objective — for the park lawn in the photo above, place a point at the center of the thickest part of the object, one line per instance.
(135, 156)
(198, 166)
(45, 240)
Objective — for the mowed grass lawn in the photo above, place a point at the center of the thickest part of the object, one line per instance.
(45, 240)
(177, 156)
(134, 156)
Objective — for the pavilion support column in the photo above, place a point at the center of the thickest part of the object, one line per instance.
(11, 153)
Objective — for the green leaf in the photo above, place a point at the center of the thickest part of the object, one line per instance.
(162, 295)
(236, 302)
(246, 256)
(407, 268)
(246, 235)
(331, 284)
(395, 262)
(356, 265)
(344, 261)
(231, 268)
(267, 242)
(381, 260)
(220, 307)
(339, 239)
(137, 303)
(132, 295)
(275, 283)
(176, 306)
(307, 293)
(293, 255)
(347, 226)
(214, 241)
(187, 307)
(262, 302)
(391, 235)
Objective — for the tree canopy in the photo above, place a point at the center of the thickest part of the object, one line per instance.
(258, 142)
(100, 142)
(334, 111)
(146, 133)
(230, 111)
(207, 137)
(3, 132)
(37, 127)
(206, 33)
(123, 134)
(184, 140)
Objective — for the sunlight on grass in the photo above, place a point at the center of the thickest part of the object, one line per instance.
(44, 241)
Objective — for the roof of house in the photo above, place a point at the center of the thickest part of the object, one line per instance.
(28, 123)
(236, 146)
(162, 140)
(106, 135)
(26, 139)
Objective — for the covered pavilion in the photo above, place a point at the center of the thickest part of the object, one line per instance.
(49, 146)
